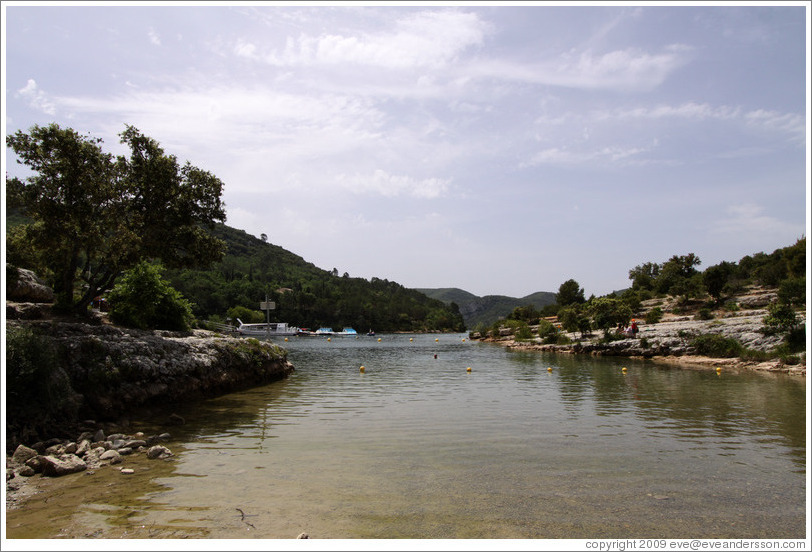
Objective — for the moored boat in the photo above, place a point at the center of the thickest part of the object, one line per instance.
(266, 329)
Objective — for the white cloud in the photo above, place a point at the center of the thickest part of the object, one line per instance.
(607, 155)
(154, 39)
(747, 223)
(36, 98)
(628, 69)
(423, 39)
(382, 183)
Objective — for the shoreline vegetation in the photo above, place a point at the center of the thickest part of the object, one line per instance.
(722, 339)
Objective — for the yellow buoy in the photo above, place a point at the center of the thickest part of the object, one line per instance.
(468, 369)
(436, 339)
(411, 339)
(286, 339)
(549, 369)
(362, 368)
(463, 340)
(379, 339)
(718, 368)
(329, 339)
(624, 369)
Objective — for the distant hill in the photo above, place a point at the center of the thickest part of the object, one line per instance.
(487, 309)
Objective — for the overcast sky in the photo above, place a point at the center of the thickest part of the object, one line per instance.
(502, 150)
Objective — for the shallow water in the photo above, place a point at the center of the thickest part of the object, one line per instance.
(418, 447)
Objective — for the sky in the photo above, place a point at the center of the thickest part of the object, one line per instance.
(501, 149)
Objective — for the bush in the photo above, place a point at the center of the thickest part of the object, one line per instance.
(654, 315)
(245, 314)
(781, 319)
(38, 392)
(792, 291)
(704, 314)
(717, 346)
(143, 299)
(546, 329)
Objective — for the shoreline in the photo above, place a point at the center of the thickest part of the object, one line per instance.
(667, 342)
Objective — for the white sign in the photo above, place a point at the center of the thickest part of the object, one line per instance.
(267, 305)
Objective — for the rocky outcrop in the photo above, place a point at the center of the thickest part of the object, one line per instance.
(111, 371)
(24, 286)
(672, 338)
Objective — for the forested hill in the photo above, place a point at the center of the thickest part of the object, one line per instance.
(305, 295)
(490, 308)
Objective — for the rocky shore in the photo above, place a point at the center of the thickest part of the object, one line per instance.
(669, 341)
(108, 373)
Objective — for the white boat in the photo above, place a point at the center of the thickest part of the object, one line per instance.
(346, 332)
(266, 329)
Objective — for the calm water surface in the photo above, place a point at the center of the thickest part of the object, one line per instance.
(418, 447)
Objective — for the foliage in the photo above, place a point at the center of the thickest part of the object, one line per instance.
(527, 313)
(781, 319)
(305, 295)
(248, 316)
(792, 291)
(93, 216)
(644, 276)
(37, 390)
(569, 293)
(546, 329)
(574, 319)
(654, 315)
(718, 346)
(607, 312)
(716, 277)
(704, 314)
(143, 299)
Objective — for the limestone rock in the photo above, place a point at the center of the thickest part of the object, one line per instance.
(158, 451)
(28, 287)
(22, 454)
(111, 456)
(69, 463)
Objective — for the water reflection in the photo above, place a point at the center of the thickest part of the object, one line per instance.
(417, 446)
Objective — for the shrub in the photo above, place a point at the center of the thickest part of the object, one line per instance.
(792, 291)
(704, 314)
(781, 319)
(714, 345)
(245, 314)
(143, 299)
(38, 392)
(654, 315)
(546, 329)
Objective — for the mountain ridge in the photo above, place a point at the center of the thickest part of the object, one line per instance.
(486, 309)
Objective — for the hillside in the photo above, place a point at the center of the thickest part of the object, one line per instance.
(305, 295)
(487, 309)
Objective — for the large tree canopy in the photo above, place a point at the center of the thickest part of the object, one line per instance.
(96, 216)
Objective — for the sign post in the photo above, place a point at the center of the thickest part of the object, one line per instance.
(267, 306)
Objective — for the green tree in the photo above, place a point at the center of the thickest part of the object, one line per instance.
(608, 312)
(715, 278)
(574, 319)
(67, 198)
(781, 319)
(94, 216)
(569, 293)
(792, 291)
(643, 276)
(675, 274)
(143, 299)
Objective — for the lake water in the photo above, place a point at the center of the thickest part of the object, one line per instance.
(418, 447)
